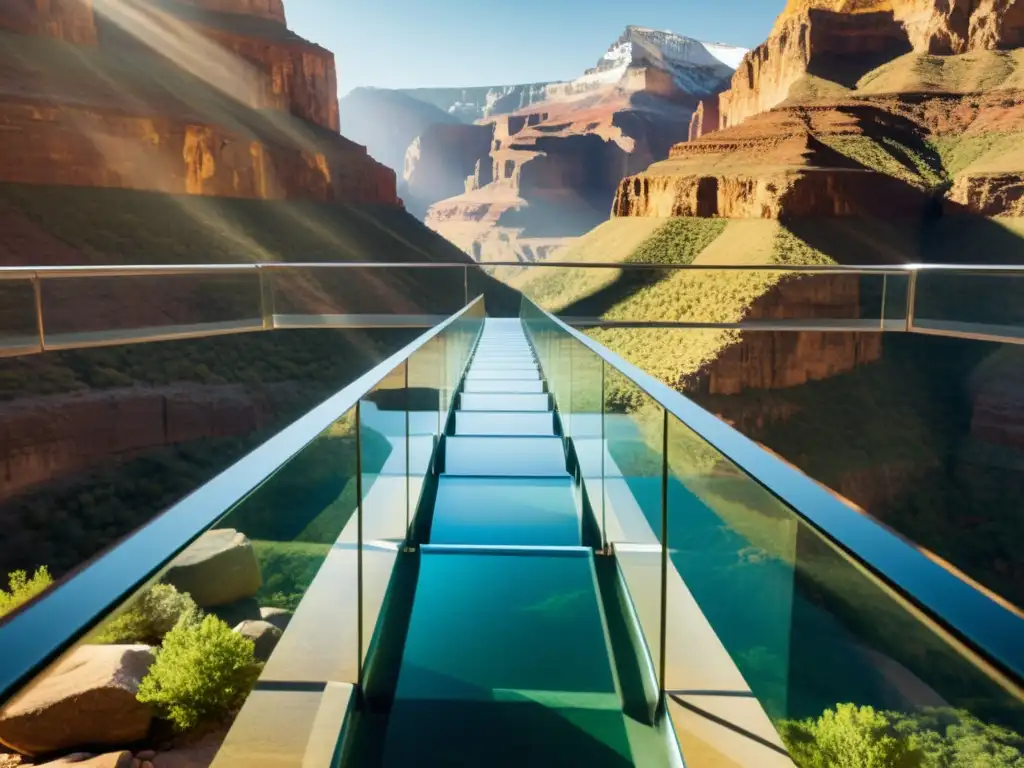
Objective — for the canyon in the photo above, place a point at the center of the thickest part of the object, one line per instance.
(205, 97)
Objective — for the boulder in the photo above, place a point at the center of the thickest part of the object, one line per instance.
(235, 613)
(110, 760)
(263, 634)
(220, 567)
(279, 617)
(87, 699)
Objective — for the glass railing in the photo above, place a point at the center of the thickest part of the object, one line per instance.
(780, 623)
(293, 548)
(54, 308)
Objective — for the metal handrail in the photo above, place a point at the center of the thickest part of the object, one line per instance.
(141, 270)
(992, 628)
(38, 632)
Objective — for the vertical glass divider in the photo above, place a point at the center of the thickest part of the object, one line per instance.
(408, 468)
(37, 291)
(465, 285)
(663, 628)
(604, 480)
(359, 544)
(911, 298)
(885, 285)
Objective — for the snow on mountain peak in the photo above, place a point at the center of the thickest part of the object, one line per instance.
(642, 46)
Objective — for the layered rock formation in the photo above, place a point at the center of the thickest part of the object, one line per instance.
(774, 165)
(840, 40)
(179, 97)
(439, 161)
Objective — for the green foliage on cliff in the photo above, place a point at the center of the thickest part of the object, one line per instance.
(202, 671)
(21, 588)
(862, 737)
(155, 613)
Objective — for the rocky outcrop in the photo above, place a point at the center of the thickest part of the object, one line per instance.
(219, 568)
(265, 9)
(705, 119)
(131, 120)
(88, 698)
(278, 617)
(298, 77)
(835, 46)
(771, 167)
(991, 194)
(440, 159)
(70, 21)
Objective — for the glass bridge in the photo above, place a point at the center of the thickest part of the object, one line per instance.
(519, 549)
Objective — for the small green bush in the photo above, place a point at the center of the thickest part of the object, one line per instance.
(152, 616)
(849, 737)
(202, 672)
(22, 588)
(862, 737)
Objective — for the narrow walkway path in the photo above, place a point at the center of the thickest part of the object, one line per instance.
(507, 658)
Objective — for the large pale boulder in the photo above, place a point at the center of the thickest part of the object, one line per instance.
(87, 699)
(279, 617)
(220, 567)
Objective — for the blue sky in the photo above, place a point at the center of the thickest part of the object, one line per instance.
(414, 43)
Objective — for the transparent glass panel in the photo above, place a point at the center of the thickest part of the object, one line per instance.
(19, 330)
(970, 303)
(633, 470)
(384, 452)
(269, 593)
(585, 424)
(85, 311)
(425, 416)
(779, 612)
(641, 292)
(338, 294)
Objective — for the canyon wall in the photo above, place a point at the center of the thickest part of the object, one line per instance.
(134, 120)
(441, 158)
(71, 21)
(48, 438)
(818, 42)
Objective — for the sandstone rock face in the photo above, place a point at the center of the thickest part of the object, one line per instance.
(817, 41)
(772, 166)
(156, 131)
(218, 568)
(705, 119)
(440, 159)
(266, 9)
(994, 194)
(264, 636)
(71, 21)
(88, 698)
(300, 77)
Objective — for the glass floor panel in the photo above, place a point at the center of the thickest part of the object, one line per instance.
(506, 664)
(495, 402)
(505, 456)
(526, 511)
(538, 423)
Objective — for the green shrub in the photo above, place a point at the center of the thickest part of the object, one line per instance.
(849, 737)
(151, 617)
(22, 588)
(862, 737)
(202, 672)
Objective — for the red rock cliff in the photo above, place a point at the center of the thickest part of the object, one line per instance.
(71, 21)
(134, 120)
